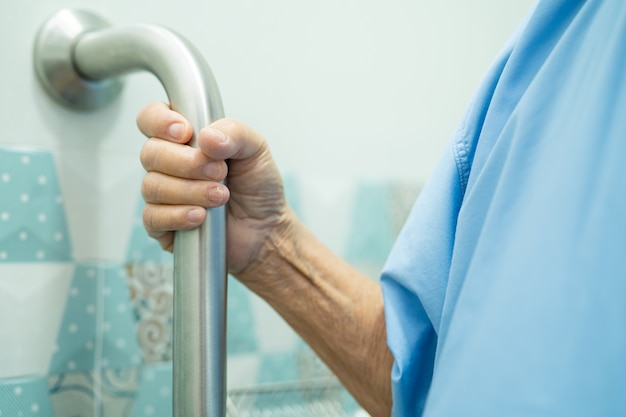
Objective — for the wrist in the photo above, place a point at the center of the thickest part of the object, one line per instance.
(267, 270)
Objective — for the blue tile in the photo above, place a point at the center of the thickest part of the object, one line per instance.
(77, 340)
(98, 327)
(109, 393)
(278, 367)
(240, 333)
(25, 397)
(154, 395)
(371, 233)
(120, 348)
(32, 218)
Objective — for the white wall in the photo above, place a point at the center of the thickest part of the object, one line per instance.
(371, 87)
(341, 89)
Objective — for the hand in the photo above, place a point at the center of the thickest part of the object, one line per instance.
(182, 181)
(336, 309)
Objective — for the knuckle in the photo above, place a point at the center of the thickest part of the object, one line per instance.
(147, 216)
(188, 162)
(216, 170)
(223, 170)
(150, 188)
(146, 156)
(167, 242)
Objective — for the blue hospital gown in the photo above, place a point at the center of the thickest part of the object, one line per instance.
(505, 293)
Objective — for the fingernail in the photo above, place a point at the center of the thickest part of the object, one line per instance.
(211, 170)
(176, 130)
(195, 215)
(216, 194)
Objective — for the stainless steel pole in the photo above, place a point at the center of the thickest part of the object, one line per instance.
(77, 59)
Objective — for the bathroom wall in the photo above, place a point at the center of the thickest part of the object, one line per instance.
(357, 100)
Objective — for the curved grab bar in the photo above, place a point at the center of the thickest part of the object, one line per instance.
(76, 59)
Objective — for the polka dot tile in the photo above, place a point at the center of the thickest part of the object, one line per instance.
(108, 393)
(78, 341)
(25, 397)
(154, 394)
(33, 226)
(120, 348)
(98, 328)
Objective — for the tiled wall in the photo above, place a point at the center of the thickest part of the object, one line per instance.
(92, 338)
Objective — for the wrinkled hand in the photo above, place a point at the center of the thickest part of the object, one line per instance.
(182, 181)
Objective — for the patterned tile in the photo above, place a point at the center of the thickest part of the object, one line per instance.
(98, 329)
(109, 393)
(25, 397)
(154, 396)
(32, 219)
(151, 296)
(113, 349)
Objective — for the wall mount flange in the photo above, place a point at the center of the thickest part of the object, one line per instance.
(53, 60)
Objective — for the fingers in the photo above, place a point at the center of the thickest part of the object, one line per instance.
(180, 161)
(158, 188)
(181, 182)
(177, 204)
(160, 221)
(157, 120)
(230, 139)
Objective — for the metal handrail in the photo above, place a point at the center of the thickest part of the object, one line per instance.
(78, 60)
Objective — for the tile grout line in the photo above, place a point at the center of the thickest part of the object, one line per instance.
(97, 404)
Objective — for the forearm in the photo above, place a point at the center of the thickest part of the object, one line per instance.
(337, 310)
